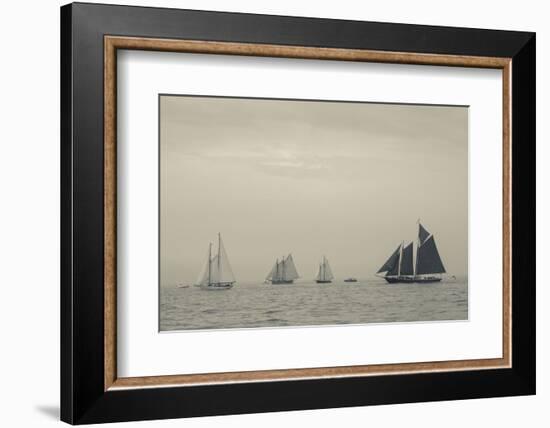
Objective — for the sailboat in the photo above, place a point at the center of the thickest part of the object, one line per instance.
(324, 276)
(401, 267)
(216, 273)
(283, 271)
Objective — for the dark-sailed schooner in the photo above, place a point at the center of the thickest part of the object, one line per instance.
(401, 268)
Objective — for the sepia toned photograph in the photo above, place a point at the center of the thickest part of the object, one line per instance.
(287, 213)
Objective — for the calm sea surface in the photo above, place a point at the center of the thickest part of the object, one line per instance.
(249, 305)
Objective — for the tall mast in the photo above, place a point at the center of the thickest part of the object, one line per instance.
(417, 247)
(400, 258)
(219, 254)
(324, 268)
(283, 263)
(209, 261)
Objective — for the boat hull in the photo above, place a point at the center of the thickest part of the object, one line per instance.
(411, 280)
(350, 280)
(322, 282)
(282, 282)
(218, 286)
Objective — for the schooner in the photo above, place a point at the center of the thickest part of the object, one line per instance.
(401, 267)
(216, 273)
(283, 271)
(324, 276)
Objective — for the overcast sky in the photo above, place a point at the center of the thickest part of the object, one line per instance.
(345, 180)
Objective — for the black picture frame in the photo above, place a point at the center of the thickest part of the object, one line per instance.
(83, 398)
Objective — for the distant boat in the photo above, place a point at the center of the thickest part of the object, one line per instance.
(216, 273)
(350, 280)
(283, 272)
(324, 276)
(183, 286)
(400, 267)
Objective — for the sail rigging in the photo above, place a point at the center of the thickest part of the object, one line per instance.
(217, 270)
(273, 273)
(391, 262)
(283, 270)
(394, 270)
(428, 260)
(407, 267)
(401, 266)
(203, 277)
(423, 234)
(325, 272)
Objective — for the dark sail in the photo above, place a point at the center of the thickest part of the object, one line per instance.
(427, 258)
(395, 268)
(422, 234)
(391, 263)
(407, 260)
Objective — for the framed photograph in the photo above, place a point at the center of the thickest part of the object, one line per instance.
(266, 213)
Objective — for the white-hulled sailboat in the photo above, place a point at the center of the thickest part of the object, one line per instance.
(283, 272)
(324, 276)
(216, 273)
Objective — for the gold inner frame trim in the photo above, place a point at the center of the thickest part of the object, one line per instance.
(113, 43)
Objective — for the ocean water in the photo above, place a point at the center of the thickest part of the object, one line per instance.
(250, 305)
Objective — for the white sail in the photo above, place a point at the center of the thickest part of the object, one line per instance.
(319, 276)
(202, 279)
(328, 272)
(272, 275)
(224, 271)
(217, 269)
(289, 271)
(325, 272)
(214, 273)
(283, 270)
